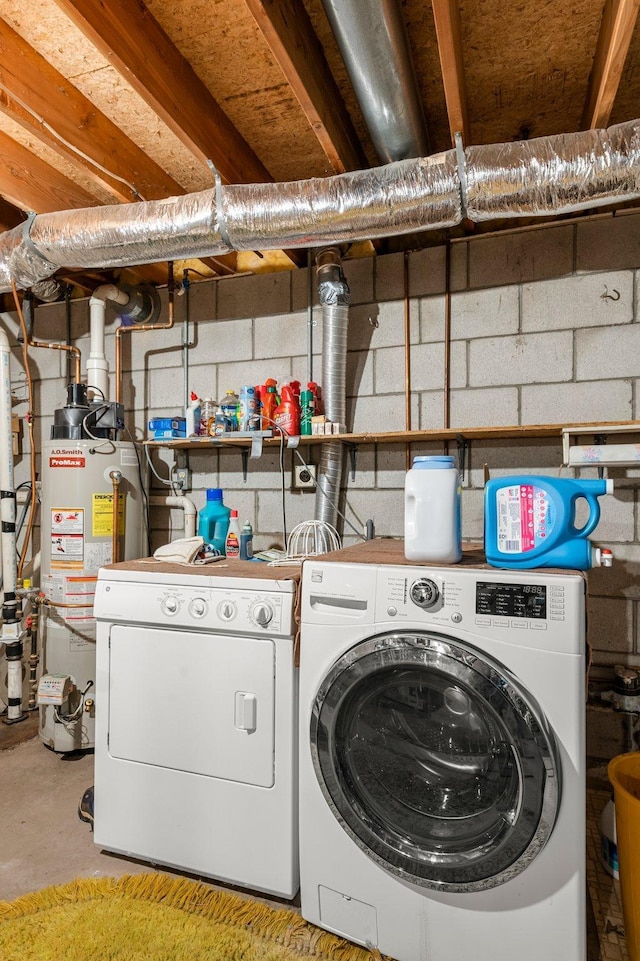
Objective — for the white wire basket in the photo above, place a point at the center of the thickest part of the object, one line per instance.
(310, 539)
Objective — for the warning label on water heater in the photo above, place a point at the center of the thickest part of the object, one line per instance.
(67, 537)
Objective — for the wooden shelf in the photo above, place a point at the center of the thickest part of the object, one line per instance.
(515, 432)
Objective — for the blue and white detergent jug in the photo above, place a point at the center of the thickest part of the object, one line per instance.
(529, 521)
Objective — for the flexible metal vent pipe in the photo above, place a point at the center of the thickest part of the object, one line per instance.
(333, 291)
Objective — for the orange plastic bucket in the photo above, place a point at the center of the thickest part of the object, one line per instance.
(624, 774)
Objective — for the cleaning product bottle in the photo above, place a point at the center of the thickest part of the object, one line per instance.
(432, 511)
(609, 839)
(287, 414)
(207, 416)
(192, 416)
(269, 403)
(213, 520)
(307, 410)
(232, 543)
(246, 542)
(229, 407)
(248, 417)
(530, 522)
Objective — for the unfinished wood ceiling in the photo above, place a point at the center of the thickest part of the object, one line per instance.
(109, 101)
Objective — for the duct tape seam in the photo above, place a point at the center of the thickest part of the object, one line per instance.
(462, 173)
(222, 227)
(26, 237)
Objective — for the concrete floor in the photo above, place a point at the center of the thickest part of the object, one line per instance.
(43, 841)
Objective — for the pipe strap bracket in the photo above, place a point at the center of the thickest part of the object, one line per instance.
(8, 527)
(222, 227)
(5, 494)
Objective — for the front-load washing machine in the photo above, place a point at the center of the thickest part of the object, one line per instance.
(196, 719)
(442, 758)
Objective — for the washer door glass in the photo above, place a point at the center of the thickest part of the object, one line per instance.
(435, 760)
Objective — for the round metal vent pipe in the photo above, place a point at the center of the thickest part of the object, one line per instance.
(372, 38)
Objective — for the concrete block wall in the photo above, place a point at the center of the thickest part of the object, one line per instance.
(545, 328)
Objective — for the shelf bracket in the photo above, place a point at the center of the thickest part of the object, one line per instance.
(244, 453)
(353, 450)
(463, 446)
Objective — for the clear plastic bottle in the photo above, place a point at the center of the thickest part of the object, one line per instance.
(432, 511)
(229, 408)
(207, 416)
(232, 544)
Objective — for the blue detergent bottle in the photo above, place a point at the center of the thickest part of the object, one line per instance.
(529, 521)
(213, 520)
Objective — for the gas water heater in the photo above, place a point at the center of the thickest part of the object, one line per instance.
(85, 467)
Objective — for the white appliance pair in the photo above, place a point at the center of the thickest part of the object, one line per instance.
(196, 720)
(442, 758)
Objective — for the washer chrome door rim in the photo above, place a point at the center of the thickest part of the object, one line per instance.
(435, 760)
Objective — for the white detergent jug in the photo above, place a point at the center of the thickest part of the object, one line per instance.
(432, 511)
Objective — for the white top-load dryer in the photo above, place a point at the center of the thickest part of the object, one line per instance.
(442, 757)
(196, 719)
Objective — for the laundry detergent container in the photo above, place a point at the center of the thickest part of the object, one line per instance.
(624, 774)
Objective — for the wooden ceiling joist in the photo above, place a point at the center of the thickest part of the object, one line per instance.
(38, 97)
(446, 15)
(293, 42)
(130, 38)
(32, 184)
(616, 30)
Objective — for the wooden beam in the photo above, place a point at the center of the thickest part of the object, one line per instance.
(446, 15)
(288, 31)
(10, 216)
(33, 93)
(618, 22)
(33, 184)
(132, 40)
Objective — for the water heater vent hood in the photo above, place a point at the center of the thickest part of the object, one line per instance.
(537, 178)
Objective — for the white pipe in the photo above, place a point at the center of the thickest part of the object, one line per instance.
(7, 490)
(97, 366)
(186, 505)
(10, 632)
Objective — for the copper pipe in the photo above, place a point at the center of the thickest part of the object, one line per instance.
(116, 477)
(407, 358)
(69, 348)
(142, 327)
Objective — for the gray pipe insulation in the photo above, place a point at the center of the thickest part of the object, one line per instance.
(536, 178)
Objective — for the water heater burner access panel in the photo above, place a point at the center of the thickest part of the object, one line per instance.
(511, 600)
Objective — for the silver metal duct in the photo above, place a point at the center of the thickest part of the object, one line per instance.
(333, 291)
(536, 178)
(372, 38)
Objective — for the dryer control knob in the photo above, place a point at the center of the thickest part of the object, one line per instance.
(425, 593)
(170, 604)
(227, 610)
(198, 607)
(262, 614)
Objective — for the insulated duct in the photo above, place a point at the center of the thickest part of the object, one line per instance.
(333, 292)
(373, 42)
(537, 178)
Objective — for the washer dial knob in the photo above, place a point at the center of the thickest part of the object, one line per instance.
(262, 614)
(425, 593)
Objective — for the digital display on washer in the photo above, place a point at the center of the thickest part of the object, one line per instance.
(511, 600)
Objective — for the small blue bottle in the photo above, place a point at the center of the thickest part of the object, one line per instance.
(213, 520)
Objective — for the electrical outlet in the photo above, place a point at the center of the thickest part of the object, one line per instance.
(304, 477)
(182, 478)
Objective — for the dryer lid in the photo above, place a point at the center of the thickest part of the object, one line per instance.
(435, 760)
